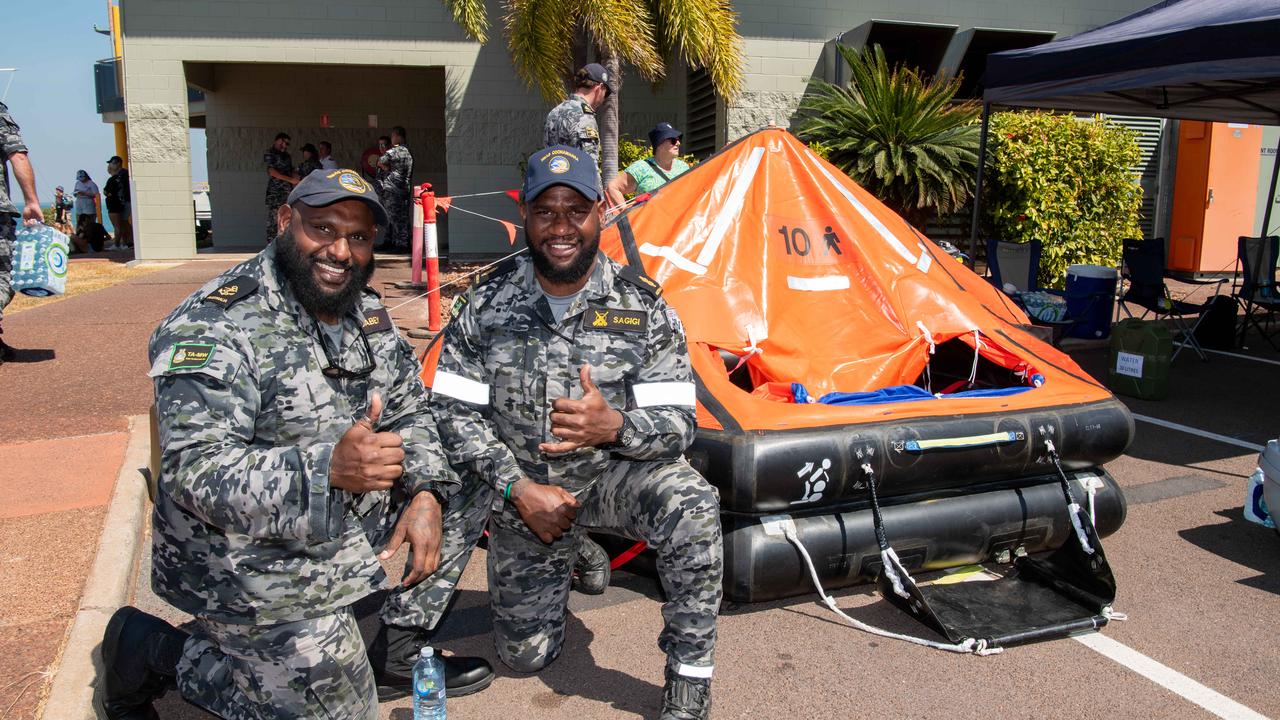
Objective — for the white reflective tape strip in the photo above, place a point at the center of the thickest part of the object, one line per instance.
(460, 388)
(673, 257)
(695, 671)
(870, 217)
(925, 260)
(731, 209)
(665, 393)
(818, 284)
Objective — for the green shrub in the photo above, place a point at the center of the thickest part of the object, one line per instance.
(1066, 182)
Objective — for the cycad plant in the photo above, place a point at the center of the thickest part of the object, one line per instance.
(901, 137)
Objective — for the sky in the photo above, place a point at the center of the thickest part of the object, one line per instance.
(51, 96)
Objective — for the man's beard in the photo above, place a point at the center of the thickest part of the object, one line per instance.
(571, 273)
(296, 270)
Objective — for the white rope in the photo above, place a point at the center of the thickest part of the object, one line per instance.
(486, 217)
(1073, 509)
(477, 271)
(471, 195)
(969, 645)
(928, 337)
(977, 347)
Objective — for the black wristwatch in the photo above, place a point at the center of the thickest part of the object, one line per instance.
(626, 433)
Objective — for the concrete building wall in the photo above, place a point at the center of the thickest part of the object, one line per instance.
(491, 120)
(784, 41)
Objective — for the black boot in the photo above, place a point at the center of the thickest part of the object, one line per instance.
(140, 656)
(685, 698)
(591, 569)
(395, 650)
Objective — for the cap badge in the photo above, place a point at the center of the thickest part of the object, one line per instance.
(353, 182)
(558, 165)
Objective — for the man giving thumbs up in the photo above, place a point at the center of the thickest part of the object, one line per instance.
(296, 442)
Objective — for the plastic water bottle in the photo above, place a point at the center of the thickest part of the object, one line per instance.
(428, 686)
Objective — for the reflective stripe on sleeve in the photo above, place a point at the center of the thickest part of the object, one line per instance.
(460, 388)
(664, 393)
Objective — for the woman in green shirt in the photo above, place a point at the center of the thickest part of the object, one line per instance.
(653, 172)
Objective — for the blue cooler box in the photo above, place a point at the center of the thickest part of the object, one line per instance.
(40, 261)
(1091, 297)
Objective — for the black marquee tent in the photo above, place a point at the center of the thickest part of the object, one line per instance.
(1216, 60)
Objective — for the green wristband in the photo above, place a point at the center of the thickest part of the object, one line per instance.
(506, 493)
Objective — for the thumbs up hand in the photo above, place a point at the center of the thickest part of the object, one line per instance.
(365, 460)
(582, 423)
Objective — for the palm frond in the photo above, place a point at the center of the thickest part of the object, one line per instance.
(471, 17)
(705, 33)
(625, 28)
(539, 35)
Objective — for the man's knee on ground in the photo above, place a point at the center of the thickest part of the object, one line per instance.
(526, 658)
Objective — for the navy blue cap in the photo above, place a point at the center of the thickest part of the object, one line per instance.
(596, 72)
(326, 187)
(662, 131)
(561, 165)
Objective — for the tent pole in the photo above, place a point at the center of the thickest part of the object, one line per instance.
(977, 187)
(1271, 194)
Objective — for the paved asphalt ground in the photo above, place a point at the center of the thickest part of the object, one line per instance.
(1201, 585)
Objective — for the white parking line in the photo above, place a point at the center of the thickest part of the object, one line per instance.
(1202, 433)
(1234, 355)
(1168, 678)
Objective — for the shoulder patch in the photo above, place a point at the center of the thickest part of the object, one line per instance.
(190, 355)
(233, 291)
(377, 321)
(634, 277)
(370, 290)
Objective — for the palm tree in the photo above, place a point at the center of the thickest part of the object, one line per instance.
(899, 136)
(542, 35)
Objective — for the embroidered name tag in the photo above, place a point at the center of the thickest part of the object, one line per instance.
(189, 356)
(378, 321)
(613, 320)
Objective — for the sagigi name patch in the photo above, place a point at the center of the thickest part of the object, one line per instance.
(614, 320)
(190, 355)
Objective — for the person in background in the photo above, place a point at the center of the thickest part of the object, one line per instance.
(280, 179)
(395, 169)
(310, 161)
(326, 156)
(61, 205)
(116, 193)
(651, 173)
(86, 192)
(573, 122)
(13, 152)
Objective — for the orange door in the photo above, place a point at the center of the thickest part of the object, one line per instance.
(1214, 194)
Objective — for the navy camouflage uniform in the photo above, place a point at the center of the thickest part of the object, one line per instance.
(573, 123)
(10, 144)
(277, 190)
(248, 536)
(396, 193)
(505, 359)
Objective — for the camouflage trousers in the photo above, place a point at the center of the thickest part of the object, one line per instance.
(318, 668)
(8, 232)
(665, 503)
(273, 227)
(399, 220)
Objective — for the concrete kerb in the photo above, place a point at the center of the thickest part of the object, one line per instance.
(110, 584)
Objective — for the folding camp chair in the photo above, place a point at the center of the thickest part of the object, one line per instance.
(1018, 265)
(1257, 293)
(1144, 271)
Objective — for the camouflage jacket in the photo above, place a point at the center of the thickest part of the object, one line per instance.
(573, 123)
(280, 161)
(10, 143)
(505, 360)
(398, 177)
(246, 527)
